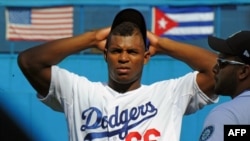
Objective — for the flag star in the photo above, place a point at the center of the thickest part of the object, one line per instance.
(162, 23)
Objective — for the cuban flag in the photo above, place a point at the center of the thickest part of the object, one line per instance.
(183, 23)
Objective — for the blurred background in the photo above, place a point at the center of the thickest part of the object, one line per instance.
(27, 23)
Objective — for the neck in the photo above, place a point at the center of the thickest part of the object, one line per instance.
(239, 93)
(243, 86)
(122, 88)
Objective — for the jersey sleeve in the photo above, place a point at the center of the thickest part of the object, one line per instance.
(213, 128)
(61, 89)
(196, 99)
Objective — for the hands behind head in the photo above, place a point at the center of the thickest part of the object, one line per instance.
(102, 34)
(154, 46)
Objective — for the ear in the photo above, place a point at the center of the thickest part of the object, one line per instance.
(244, 72)
(146, 57)
(105, 51)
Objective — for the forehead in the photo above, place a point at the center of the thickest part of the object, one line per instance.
(133, 41)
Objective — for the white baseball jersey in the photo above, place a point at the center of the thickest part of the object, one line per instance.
(232, 112)
(96, 112)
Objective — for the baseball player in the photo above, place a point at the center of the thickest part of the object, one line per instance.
(232, 75)
(121, 108)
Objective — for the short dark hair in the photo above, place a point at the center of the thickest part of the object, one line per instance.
(124, 29)
(126, 22)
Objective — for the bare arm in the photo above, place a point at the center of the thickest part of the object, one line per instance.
(36, 62)
(197, 58)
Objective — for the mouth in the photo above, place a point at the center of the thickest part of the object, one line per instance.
(123, 70)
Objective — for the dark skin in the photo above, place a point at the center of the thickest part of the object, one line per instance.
(125, 58)
(38, 69)
(231, 80)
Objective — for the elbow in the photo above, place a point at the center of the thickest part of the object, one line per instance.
(22, 61)
(26, 62)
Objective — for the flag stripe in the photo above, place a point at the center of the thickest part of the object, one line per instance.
(36, 37)
(189, 9)
(48, 27)
(54, 21)
(39, 23)
(47, 32)
(195, 24)
(206, 30)
(186, 37)
(186, 17)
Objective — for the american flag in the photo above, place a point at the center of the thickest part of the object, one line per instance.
(39, 24)
(183, 23)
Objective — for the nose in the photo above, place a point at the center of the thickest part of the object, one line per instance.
(123, 57)
(216, 68)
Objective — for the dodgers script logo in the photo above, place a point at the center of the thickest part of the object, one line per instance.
(125, 120)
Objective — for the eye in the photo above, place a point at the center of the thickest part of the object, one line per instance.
(115, 51)
(132, 52)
